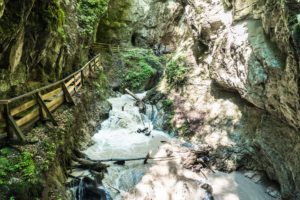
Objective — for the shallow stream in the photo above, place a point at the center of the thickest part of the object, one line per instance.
(158, 179)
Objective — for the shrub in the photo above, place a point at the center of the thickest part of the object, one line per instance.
(176, 72)
(140, 67)
(135, 79)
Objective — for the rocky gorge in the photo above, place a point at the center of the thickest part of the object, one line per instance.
(242, 60)
(229, 80)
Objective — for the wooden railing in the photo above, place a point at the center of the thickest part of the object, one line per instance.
(114, 48)
(21, 112)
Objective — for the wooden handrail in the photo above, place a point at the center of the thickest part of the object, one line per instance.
(38, 106)
(7, 101)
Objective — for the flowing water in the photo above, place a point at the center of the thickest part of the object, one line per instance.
(118, 138)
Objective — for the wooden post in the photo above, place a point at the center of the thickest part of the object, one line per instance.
(41, 111)
(90, 69)
(45, 108)
(67, 94)
(10, 133)
(82, 77)
(75, 83)
(12, 125)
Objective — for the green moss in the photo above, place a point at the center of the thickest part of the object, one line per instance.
(176, 72)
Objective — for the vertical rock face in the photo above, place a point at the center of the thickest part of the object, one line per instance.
(250, 48)
(138, 22)
(39, 43)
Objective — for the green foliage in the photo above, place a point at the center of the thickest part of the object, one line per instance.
(15, 164)
(140, 65)
(89, 13)
(27, 167)
(101, 86)
(185, 130)
(50, 150)
(176, 72)
(167, 104)
(135, 79)
(168, 107)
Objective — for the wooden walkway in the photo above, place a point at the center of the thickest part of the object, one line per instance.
(110, 47)
(20, 113)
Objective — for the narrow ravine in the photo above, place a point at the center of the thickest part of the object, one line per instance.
(163, 178)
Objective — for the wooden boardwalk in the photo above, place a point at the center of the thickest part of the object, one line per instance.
(20, 113)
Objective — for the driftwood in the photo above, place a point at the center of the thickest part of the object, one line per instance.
(89, 164)
(139, 102)
(145, 159)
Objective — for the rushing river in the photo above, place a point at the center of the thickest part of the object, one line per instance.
(119, 138)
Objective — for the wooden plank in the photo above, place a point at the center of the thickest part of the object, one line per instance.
(45, 108)
(71, 90)
(27, 118)
(77, 76)
(49, 95)
(22, 107)
(82, 78)
(5, 101)
(55, 103)
(12, 123)
(78, 82)
(30, 124)
(79, 87)
(10, 132)
(69, 82)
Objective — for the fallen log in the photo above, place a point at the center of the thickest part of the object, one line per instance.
(133, 95)
(89, 164)
(139, 102)
(146, 158)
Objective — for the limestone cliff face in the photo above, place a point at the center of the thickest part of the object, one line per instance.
(138, 22)
(257, 55)
(40, 42)
(249, 48)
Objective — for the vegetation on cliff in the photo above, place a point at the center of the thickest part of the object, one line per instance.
(176, 72)
(136, 69)
(90, 12)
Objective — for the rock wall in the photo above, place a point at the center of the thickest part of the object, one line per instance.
(138, 22)
(242, 95)
(39, 43)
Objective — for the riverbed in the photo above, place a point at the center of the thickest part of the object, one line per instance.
(163, 177)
